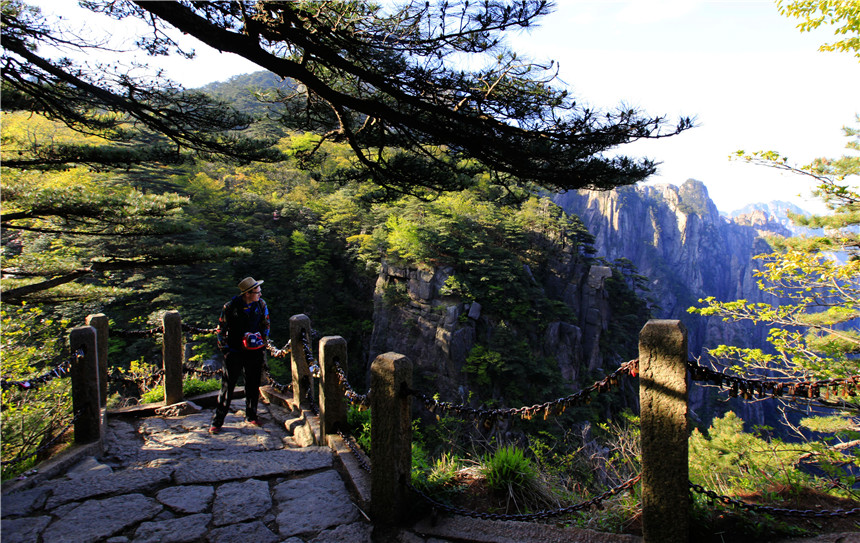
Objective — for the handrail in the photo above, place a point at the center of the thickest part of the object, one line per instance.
(60, 370)
(737, 386)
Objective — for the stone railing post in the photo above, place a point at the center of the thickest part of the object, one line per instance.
(99, 321)
(663, 411)
(85, 385)
(390, 437)
(333, 406)
(171, 353)
(301, 373)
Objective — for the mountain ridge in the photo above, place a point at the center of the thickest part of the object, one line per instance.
(676, 236)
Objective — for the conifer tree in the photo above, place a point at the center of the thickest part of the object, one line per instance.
(70, 235)
(396, 84)
(383, 81)
(814, 282)
(148, 119)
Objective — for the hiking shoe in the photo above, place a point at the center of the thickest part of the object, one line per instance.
(255, 422)
(214, 429)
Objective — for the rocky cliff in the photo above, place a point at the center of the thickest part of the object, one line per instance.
(673, 235)
(676, 237)
(414, 316)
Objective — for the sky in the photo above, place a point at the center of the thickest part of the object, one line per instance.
(751, 79)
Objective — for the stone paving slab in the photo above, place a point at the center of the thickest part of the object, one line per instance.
(346, 533)
(169, 481)
(177, 530)
(255, 532)
(313, 503)
(88, 467)
(252, 464)
(103, 484)
(240, 501)
(23, 530)
(186, 499)
(17, 504)
(96, 520)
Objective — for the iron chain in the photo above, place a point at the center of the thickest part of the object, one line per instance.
(556, 407)
(60, 370)
(801, 513)
(746, 388)
(354, 398)
(356, 452)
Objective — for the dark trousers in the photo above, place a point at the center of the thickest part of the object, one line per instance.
(251, 363)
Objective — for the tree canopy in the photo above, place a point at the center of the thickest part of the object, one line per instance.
(139, 120)
(399, 85)
(814, 281)
(844, 16)
(391, 84)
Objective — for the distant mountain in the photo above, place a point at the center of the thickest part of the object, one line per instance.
(244, 92)
(677, 238)
(778, 211)
(776, 208)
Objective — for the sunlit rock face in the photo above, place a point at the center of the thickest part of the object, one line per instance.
(676, 237)
(673, 235)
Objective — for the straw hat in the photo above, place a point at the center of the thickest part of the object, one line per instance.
(247, 284)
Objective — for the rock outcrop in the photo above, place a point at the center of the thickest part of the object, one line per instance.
(414, 317)
(676, 237)
(673, 235)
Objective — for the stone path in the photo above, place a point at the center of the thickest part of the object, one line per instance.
(164, 480)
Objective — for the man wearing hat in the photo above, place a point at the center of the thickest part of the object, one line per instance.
(243, 331)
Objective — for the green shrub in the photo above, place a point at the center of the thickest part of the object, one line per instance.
(708, 518)
(449, 434)
(426, 472)
(190, 387)
(438, 478)
(731, 461)
(421, 465)
(444, 471)
(32, 417)
(616, 514)
(280, 370)
(585, 461)
(508, 472)
(507, 468)
(358, 421)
